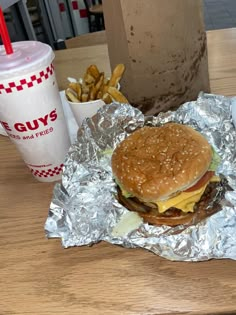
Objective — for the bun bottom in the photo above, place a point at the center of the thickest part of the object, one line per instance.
(173, 216)
(170, 221)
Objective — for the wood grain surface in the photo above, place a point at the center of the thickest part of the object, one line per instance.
(38, 276)
(90, 39)
(222, 61)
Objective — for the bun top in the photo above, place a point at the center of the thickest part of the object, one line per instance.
(155, 162)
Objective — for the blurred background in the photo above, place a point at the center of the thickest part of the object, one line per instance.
(219, 14)
(54, 21)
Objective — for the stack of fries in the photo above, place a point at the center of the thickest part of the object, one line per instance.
(95, 86)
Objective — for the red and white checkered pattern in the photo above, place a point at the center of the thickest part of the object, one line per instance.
(48, 172)
(27, 83)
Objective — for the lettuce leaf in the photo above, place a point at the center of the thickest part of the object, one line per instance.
(107, 152)
(124, 192)
(215, 162)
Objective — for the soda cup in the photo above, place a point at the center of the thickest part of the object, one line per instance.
(31, 110)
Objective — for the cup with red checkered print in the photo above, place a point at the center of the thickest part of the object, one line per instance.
(31, 110)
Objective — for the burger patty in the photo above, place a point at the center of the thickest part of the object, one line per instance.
(204, 207)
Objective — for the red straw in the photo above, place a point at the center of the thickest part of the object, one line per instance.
(4, 34)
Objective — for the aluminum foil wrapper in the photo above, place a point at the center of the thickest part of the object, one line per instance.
(84, 209)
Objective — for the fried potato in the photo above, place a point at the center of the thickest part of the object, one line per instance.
(79, 90)
(117, 95)
(95, 86)
(93, 71)
(88, 78)
(100, 81)
(116, 75)
(85, 89)
(84, 97)
(76, 86)
(72, 85)
(99, 95)
(92, 93)
(107, 99)
(71, 96)
(105, 89)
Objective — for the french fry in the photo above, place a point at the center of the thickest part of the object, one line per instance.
(88, 78)
(100, 81)
(105, 88)
(92, 93)
(116, 95)
(72, 85)
(99, 95)
(116, 75)
(85, 89)
(106, 98)
(95, 86)
(71, 96)
(75, 86)
(84, 97)
(93, 71)
(79, 90)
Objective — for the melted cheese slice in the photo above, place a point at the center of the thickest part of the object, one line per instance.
(185, 200)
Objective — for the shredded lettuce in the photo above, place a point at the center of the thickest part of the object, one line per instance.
(215, 162)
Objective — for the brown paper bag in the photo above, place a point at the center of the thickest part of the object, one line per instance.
(163, 46)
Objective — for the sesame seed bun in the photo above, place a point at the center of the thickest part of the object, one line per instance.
(155, 163)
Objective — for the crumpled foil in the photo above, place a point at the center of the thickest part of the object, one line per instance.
(84, 209)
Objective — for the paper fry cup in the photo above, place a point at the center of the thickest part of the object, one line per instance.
(85, 109)
(82, 110)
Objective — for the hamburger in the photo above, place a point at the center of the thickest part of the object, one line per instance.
(166, 174)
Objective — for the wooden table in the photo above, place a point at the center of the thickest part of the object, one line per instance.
(38, 276)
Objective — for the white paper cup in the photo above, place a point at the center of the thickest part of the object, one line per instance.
(31, 109)
(82, 110)
(85, 109)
